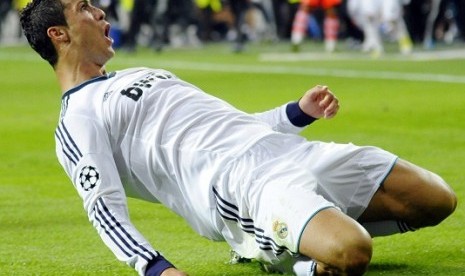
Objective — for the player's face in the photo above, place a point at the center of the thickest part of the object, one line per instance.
(88, 31)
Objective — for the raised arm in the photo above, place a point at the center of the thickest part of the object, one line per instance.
(318, 102)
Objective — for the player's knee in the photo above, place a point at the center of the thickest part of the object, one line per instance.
(439, 205)
(337, 241)
(355, 254)
(444, 202)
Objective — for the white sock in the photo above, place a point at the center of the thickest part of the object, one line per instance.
(387, 227)
(299, 27)
(304, 268)
(372, 40)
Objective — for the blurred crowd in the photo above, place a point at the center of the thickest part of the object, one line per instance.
(365, 24)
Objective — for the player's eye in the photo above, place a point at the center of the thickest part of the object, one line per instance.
(84, 5)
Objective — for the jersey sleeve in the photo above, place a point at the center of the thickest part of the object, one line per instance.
(84, 151)
(288, 118)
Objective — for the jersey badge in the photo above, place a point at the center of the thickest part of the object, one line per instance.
(89, 178)
(280, 228)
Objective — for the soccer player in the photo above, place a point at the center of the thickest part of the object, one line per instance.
(330, 22)
(246, 179)
(370, 15)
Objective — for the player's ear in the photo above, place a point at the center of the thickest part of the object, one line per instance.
(58, 34)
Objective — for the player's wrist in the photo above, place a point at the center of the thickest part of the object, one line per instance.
(297, 116)
(156, 266)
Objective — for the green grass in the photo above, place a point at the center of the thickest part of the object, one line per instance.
(44, 229)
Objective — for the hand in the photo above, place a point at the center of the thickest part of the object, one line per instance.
(319, 102)
(172, 272)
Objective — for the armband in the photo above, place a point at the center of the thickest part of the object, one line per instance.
(156, 266)
(297, 117)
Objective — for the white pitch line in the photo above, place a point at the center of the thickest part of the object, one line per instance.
(296, 70)
(263, 69)
(415, 56)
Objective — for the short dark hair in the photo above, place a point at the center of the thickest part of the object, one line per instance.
(36, 18)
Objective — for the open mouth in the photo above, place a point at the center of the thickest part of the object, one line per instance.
(107, 30)
(106, 33)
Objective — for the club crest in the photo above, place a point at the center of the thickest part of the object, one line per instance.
(280, 228)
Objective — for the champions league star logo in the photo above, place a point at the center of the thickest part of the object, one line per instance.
(89, 178)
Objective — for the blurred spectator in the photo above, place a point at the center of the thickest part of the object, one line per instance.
(170, 22)
(330, 22)
(10, 31)
(435, 21)
(348, 30)
(142, 13)
(459, 6)
(450, 24)
(434, 7)
(239, 9)
(214, 20)
(178, 23)
(284, 12)
(261, 21)
(415, 14)
(5, 7)
(236, 20)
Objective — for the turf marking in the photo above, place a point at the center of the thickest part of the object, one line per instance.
(296, 70)
(262, 69)
(415, 56)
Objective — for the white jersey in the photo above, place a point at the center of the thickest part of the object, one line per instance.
(146, 134)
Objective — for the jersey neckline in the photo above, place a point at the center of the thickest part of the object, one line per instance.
(96, 79)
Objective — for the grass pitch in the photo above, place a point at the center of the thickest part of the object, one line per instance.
(411, 106)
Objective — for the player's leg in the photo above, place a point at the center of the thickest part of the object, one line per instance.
(331, 29)
(299, 25)
(339, 244)
(393, 17)
(386, 194)
(372, 43)
(239, 9)
(331, 24)
(428, 37)
(281, 199)
(413, 195)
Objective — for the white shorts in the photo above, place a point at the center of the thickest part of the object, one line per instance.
(383, 10)
(267, 196)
